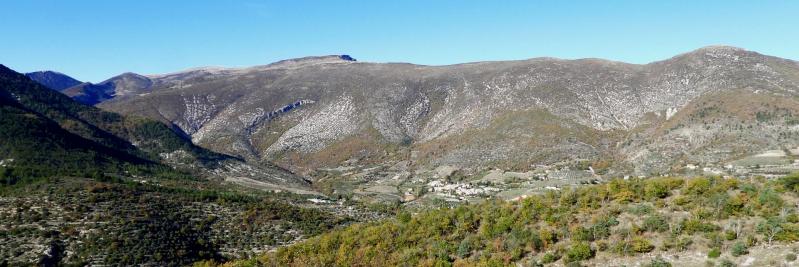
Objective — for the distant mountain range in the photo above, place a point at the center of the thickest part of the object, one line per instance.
(89, 93)
(705, 107)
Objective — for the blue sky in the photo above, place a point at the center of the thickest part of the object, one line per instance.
(94, 40)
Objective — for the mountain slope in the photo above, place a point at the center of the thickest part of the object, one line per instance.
(53, 80)
(81, 186)
(66, 125)
(37, 145)
(299, 112)
(637, 222)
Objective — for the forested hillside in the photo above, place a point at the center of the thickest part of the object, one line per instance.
(81, 186)
(593, 225)
(70, 221)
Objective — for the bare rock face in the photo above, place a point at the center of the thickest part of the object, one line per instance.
(513, 113)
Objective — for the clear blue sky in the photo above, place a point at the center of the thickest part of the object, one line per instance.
(94, 40)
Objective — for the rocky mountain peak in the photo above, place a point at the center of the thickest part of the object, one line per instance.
(313, 60)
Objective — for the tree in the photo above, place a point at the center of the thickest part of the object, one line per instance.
(719, 201)
(770, 228)
(736, 226)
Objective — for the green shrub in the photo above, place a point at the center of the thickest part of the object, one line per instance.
(714, 253)
(726, 263)
(601, 245)
(464, 248)
(656, 223)
(581, 234)
(641, 245)
(578, 252)
(658, 262)
(684, 243)
(791, 182)
(641, 209)
(739, 249)
(697, 186)
(549, 257)
(656, 189)
(792, 218)
(693, 226)
(790, 257)
(730, 235)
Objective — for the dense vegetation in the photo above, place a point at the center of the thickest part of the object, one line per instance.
(34, 146)
(621, 218)
(45, 133)
(173, 222)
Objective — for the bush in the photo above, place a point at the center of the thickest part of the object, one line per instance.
(739, 249)
(641, 209)
(726, 263)
(581, 234)
(464, 248)
(790, 257)
(791, 182)
(656, 189)
(549, 257)
(714, 253)
(658, 262)
(656, 223)
(641, 245)
(730, 235)
(578, 252)
(684, 243)
(692, 226)
(601, 245)
(697, 186)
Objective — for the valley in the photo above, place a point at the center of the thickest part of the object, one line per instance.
(278, 164)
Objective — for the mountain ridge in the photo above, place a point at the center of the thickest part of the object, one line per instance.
(228, 109)
(89, 93)
(425, 104)
(53, 79)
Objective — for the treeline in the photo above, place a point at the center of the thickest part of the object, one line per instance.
(621, 218)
